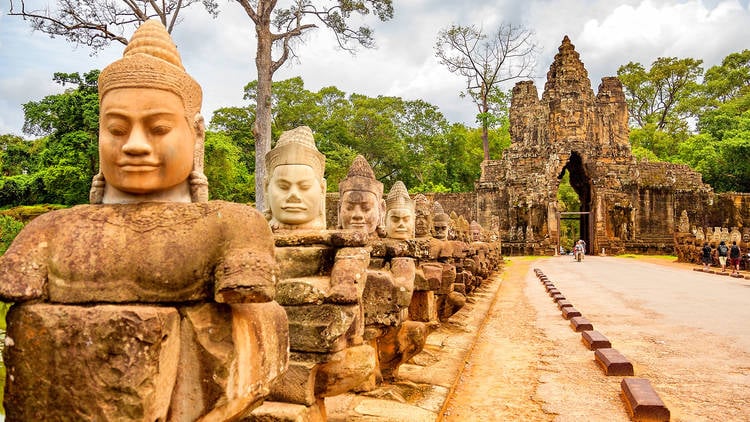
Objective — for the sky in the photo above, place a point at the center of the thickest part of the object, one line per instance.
(220, 53)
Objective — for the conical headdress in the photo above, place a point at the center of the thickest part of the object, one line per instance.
(438, 215)
(151, 60)
(422, 203)
(360, 177)
(398, 197)
(296, 146)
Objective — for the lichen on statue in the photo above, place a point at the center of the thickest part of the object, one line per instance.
(295, 187)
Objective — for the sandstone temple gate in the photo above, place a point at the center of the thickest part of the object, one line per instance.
(625, 204)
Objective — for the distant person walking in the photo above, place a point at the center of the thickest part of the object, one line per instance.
(734, 258)
(723, 252)
(706, 256)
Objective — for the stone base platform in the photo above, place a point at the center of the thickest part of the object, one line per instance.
(427, 381)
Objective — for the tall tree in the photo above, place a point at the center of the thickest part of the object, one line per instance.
(487, 61)
(665, 94)
(290, 23)
(96, 23)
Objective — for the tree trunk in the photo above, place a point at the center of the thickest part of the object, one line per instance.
(262, 126)
(485, 141)
(485, 131)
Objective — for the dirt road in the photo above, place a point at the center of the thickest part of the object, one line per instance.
(685, 331)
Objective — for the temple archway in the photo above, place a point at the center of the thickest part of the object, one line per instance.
(581, 184)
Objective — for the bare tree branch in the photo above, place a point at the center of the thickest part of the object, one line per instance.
(486, 62)
(97, 23)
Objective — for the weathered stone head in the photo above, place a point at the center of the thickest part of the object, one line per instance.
(151, 132)
(399, 217)
(440, 222)
(475, 231)
(422, 216)
(361, 203)
(294, 184)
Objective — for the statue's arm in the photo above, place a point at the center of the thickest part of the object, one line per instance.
(23, 267)
(248, 270)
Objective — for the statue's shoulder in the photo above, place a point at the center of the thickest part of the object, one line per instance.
(234, 210)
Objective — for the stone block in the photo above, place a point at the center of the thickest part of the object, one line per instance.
(381, 299)
(429, 277)
(403, 271)
(349, 275)
(580, 323)
(642, 402)
(595, 340)
(553, 291)
(564, 304)
(460, 288)
(345, 371)
(613, 362)
(423, 306)
(297, 384)
(304, 261)
(449, 277)
(273, 411)
(229, 356)
(320, 328)
(129, 352)
(303, 290)
(558, 297)
(569, 312)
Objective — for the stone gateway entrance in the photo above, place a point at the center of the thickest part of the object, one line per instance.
(625, 204)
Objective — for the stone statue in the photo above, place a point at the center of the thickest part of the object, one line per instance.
(154, 305)
(716, 235)
(294, 185)
(476, 231)
(399, 217)
(440, 222)
(699, 235)
(724, 236)
(684, 225)
(422, 216)
(150, 74)
(735, 235)
(361, 203)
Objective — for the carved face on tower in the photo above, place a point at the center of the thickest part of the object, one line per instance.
(150, 129)
(361, 198)
(399, 217)
(295, 187)
(422, 216)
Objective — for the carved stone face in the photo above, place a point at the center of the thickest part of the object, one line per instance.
(399, 224)
(145, 142)
(476, 235)
(440, 230)
(294, 194)
(359, 210)
(421, 223)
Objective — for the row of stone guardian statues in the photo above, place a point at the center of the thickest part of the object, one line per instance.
(155, 304)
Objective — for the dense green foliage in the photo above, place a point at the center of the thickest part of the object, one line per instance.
(9, 228)
(705, 124)
(58, 167)
(402, 140)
